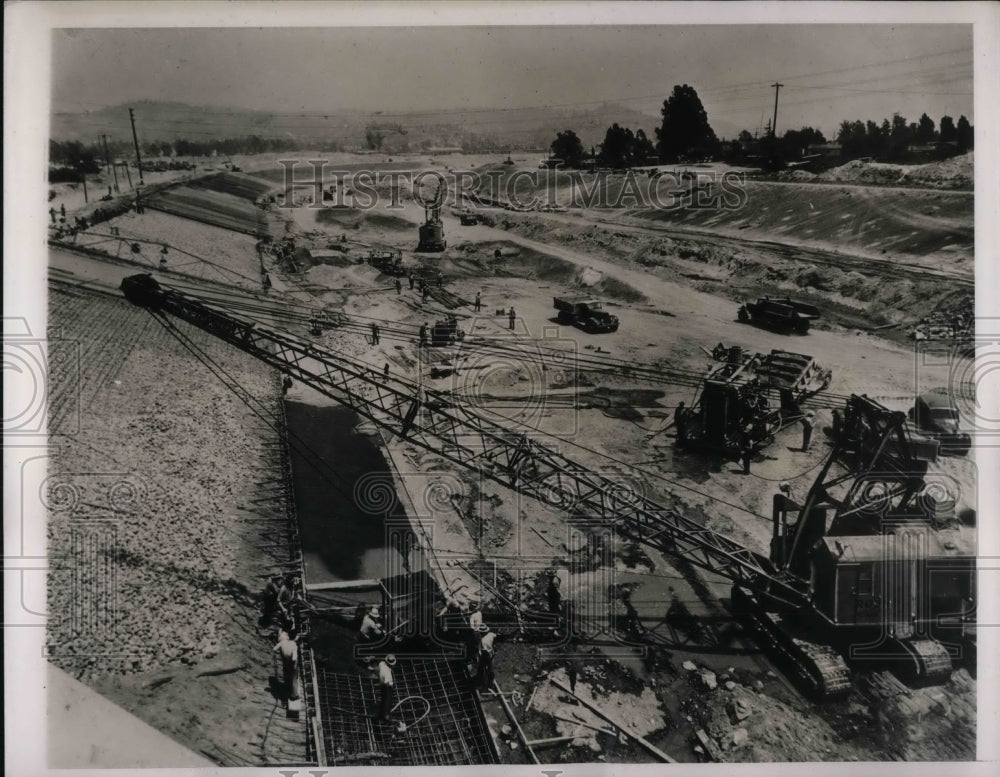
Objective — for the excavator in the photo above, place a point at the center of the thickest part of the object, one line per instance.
(871, 571)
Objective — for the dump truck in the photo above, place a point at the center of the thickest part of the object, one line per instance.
(780, 313)
(585, 314)
(936, 416)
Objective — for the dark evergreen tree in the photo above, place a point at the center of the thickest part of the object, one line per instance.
(685, 131)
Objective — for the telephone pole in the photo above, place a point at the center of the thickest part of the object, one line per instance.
(135, 140)
(102, 146)
(107, 160)
(774, 124)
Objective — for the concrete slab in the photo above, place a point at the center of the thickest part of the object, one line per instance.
(86, 730)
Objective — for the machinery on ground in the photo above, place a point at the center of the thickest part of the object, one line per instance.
(872, 567)
(748, 398)
(935, 415)
(432, 231)
(446, 332)
(781, 314)
(387, 262)
(585, 314)
(466, 217)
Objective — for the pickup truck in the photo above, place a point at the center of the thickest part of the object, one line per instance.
(585, 314)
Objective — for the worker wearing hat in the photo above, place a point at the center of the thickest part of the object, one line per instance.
(807, 429)
(371, 626)
(486, 652)
(386, 683)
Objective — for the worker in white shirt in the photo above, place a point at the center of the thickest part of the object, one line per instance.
(486, 652)
(475, 616)
(289, 651)
(386, 683)
(371, 626)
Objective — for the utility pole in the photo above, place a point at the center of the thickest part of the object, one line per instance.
(107, 160)
(135, 140)
(102, 145)
(774, 124)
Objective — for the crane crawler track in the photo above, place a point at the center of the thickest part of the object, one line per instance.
(818, 669)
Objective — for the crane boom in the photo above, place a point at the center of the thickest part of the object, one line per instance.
(436, 422)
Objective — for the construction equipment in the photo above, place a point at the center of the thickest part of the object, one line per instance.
(891, 569)
(849, 570)
(446, 332)
(781, 314)
(432, 231)
(748, 398)
(585, 314)
(387, 262)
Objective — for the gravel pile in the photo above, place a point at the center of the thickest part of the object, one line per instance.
(151, 553)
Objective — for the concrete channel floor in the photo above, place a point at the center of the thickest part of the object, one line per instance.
(86, 730)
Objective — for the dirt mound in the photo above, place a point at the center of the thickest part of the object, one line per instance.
(349, 218)
(954, 173)
(210, 207)
(242, 186)
(388, 221)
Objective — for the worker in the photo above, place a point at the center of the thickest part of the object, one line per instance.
(286, 383)
(269, 602)
(385, 372)
(423, 334)
(289, 651)
(512, 316)
(52, 214)
(497, 254)
(374, 333)
(838, 423)
(439, 278)
(572, 672)
(371, 626)
(475, 616)
(386, 682)
(267, 281)
(486, 652)
(746, 449)
(410, 278)
(807, 429)
(680, 422)
(554, 594)
(479, 301)
(284, 595)
(399, 286)
(62, 209)
(424, 293)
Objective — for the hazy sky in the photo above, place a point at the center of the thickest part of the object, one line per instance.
(830, 72)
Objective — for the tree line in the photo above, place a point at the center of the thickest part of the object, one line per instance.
(892, 139)
(685, 134)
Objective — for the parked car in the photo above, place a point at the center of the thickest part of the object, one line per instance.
(935, 415)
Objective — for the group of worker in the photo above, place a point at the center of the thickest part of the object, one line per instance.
(467, 626)
(280, 604)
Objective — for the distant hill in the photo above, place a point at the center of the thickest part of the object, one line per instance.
(531, 128)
